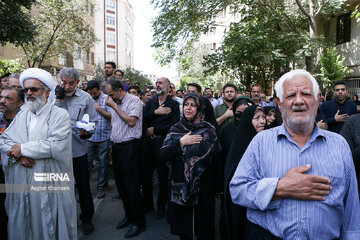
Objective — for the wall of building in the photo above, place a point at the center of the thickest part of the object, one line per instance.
(114, 27)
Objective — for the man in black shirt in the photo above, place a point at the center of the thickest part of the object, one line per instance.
(160, 113)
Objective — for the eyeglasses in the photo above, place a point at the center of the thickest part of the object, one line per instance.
(32, 89)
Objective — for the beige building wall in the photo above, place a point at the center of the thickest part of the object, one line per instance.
(114, 27)
(83, 61)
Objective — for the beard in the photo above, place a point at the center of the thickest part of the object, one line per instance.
(229, 99)
(161, 91)
(299, 125)
(34, 106)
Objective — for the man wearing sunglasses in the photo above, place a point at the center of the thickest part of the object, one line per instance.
(38, 143)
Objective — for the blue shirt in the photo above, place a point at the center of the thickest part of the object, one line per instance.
(269, 157)
(103, 130)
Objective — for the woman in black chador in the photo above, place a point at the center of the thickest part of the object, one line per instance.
(189, 148)
(252, 121)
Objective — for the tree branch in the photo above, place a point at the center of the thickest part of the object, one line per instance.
(287, 19)
(302, 9)
(51, 40)
(320, 8)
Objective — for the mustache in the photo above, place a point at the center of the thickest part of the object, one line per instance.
(299, 108)
(27, 97)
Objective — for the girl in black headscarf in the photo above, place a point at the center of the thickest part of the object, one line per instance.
(252, 121)
(189, 148)
(271, 116)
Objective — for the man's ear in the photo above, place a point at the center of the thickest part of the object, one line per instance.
(278, 103)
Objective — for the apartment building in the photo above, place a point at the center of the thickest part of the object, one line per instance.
(83, 61)
(114, 27)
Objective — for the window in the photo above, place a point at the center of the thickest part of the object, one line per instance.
(343, 29)
(110, 37)
(110, 55)
(110, 20)
(110, 4)
(92, 58)
(87, 56)
(213, 46)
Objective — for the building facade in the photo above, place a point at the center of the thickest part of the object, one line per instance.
(114, 27)
(83, 61)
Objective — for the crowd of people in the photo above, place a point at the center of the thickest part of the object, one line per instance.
(280, 168)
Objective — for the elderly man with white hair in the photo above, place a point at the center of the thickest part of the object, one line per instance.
(297, 180)
(36, 146)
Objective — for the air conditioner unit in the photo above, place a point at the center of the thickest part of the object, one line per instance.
(53, 71)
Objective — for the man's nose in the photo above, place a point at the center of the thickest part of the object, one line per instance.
(299, 99)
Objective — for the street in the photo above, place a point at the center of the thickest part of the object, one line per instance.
(109, 212)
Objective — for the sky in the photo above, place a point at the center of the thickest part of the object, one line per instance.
(143, 52)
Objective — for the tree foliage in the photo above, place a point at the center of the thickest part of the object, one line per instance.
(136, 77)
(261, 46)
(61, 28)
(356, 14)
(15, 24)
(11, 66)
(99, 72)
(180, 23)
(332, 68)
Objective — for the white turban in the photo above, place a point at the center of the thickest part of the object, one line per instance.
(39, 74)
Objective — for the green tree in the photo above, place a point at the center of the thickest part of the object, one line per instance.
(332, 68)
(180, 23)
(190, 64)
(15, 24)
(260, 47)
(135, 76)
(356, 14)
(99, 72)
(61, 29)
(11, 66)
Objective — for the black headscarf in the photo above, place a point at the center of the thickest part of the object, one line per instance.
(240, 101)
(267, 110)
(243, 136)
(197, 158)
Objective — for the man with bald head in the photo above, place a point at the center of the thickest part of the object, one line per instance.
(37, 144)
(160, 113)
(297, 175)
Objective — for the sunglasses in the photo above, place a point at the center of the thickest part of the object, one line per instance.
(32, 89)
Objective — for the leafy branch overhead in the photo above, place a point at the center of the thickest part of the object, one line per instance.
(61, 27)
(180, 23)
(15, 23)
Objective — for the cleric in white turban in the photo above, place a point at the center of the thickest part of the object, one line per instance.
(37, 144)
(40, 74)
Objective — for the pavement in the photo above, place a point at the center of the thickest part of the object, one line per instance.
(109, 212)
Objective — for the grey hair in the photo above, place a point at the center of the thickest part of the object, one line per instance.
(69, 73)
(279, 85)
(14, 75)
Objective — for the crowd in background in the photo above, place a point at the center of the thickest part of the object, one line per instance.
(193, 138)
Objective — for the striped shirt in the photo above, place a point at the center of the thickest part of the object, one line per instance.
(102, 131)
(269, 157)
(120, 130)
